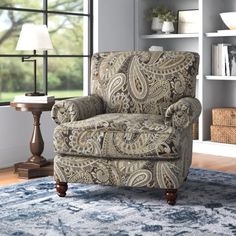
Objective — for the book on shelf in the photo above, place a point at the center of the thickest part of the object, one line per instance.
(223, 59)
(222, 48)
(34, 99)
(214, 59)
(232, 60)
(226, 53)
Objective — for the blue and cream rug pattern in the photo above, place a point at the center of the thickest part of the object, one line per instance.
(206, 206)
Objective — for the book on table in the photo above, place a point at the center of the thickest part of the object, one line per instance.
(34, 99)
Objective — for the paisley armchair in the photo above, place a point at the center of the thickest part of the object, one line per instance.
(135, 127)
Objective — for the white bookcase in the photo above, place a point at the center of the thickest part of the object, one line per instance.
(212, 91)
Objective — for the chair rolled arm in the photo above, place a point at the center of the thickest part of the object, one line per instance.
(183, 113)
(75, 109)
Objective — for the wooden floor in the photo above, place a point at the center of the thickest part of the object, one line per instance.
(210, 162)
(204, 161)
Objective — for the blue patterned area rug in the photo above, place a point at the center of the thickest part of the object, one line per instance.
(206, 206)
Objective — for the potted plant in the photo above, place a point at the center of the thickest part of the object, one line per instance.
(168, 19)
(156, 14)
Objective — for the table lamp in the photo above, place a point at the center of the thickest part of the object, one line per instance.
(34, 37)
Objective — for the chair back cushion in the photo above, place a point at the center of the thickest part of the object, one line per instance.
(142, 81)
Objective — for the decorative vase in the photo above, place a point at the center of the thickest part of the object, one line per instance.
(157, 24)
(168, 27)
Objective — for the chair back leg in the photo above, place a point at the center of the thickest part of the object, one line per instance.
(61, 188)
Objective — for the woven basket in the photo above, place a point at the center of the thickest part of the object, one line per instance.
(223, 134)
(195, 130)
(224, 116)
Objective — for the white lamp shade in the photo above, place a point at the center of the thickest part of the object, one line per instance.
(34, 37)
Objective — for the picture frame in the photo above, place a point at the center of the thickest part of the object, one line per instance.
(188, 21)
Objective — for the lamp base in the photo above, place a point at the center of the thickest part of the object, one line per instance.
(34, 94)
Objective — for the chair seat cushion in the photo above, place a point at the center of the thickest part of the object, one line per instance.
(117, 135)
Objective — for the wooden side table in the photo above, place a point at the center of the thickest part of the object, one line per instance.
(36, 165)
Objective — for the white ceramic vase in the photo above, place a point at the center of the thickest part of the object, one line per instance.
(157, 24)
(167, 27)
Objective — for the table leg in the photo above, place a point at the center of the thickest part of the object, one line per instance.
(37, 165)
(36, 143)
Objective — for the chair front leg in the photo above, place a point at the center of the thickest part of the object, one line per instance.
(171, 195)
(61, 188)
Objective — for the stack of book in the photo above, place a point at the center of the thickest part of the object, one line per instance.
(224, 59)
(34, 99)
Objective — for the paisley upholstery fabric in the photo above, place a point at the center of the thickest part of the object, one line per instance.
(183, 113)
(118, 135)
(135, 128)
(168, 174)
(77, 109)
(143, 82)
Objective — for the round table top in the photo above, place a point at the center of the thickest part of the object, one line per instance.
(21, 106)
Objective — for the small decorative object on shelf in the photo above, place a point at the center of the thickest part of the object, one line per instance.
(156, 15)
(168, 19)
(155, 48)
(168, 27)
(188, 21)
(162, 19)
(229, 18)
(157, 24)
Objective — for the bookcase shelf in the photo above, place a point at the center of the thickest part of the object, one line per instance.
(212, 91)
(169, 36)
(216, 34)
(216, 77)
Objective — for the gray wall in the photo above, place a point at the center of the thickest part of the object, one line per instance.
(114, 30)
(15, 134)
(114, 20)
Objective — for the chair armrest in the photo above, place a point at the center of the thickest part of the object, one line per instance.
(183, 113)
(75, 109)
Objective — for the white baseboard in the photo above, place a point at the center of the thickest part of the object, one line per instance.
(213, 148)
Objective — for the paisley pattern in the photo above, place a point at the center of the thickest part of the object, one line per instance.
(117, 135)
(122, 172)
(77, 109)
(183, 113)
(135, 128)
(143, 82)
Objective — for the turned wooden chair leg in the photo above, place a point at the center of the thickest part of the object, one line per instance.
(61, 188)
(171, 195)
